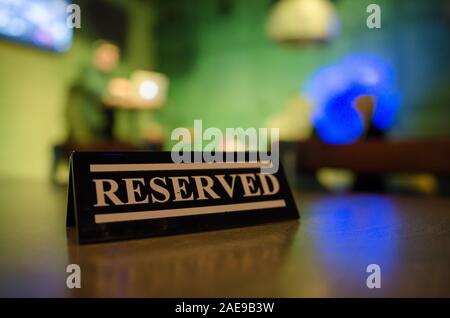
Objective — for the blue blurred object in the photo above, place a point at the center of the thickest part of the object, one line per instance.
(370, 71)
(340, 123)
(334, 89)
(38, 22)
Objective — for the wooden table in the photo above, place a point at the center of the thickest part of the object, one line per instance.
(323, 255)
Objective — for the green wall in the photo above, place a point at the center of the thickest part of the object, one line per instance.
(33, 85)
(234, 76)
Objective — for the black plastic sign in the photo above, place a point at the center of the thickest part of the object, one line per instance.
(115, 196)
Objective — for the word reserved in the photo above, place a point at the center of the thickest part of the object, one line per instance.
(160, 190)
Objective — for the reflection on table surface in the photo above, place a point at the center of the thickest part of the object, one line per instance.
(323, 255)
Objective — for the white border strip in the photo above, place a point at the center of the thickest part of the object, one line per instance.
(147, 215)
(176, 166)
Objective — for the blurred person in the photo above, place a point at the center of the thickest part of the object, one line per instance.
(87, 117)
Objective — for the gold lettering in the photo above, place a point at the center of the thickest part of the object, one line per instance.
(247, 182)
(265, 185)
(201, 188)
(102, 194)
(132, 190)
(229, 189)
(177, 188)
(159, 189)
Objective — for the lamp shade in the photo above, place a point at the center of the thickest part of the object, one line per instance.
(298, 21)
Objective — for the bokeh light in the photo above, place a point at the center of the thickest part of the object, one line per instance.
(334, 89)
(38, 22)
(148, 89)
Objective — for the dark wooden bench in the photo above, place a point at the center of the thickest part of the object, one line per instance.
(377, 156)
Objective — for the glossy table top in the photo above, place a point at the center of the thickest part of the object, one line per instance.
(325, 254)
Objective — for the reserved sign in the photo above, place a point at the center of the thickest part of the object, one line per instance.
(116, 196)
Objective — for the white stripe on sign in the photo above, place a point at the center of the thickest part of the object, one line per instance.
(176, 166)
(147, 215)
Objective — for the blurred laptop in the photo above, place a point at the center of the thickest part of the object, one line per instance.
(144, 90)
